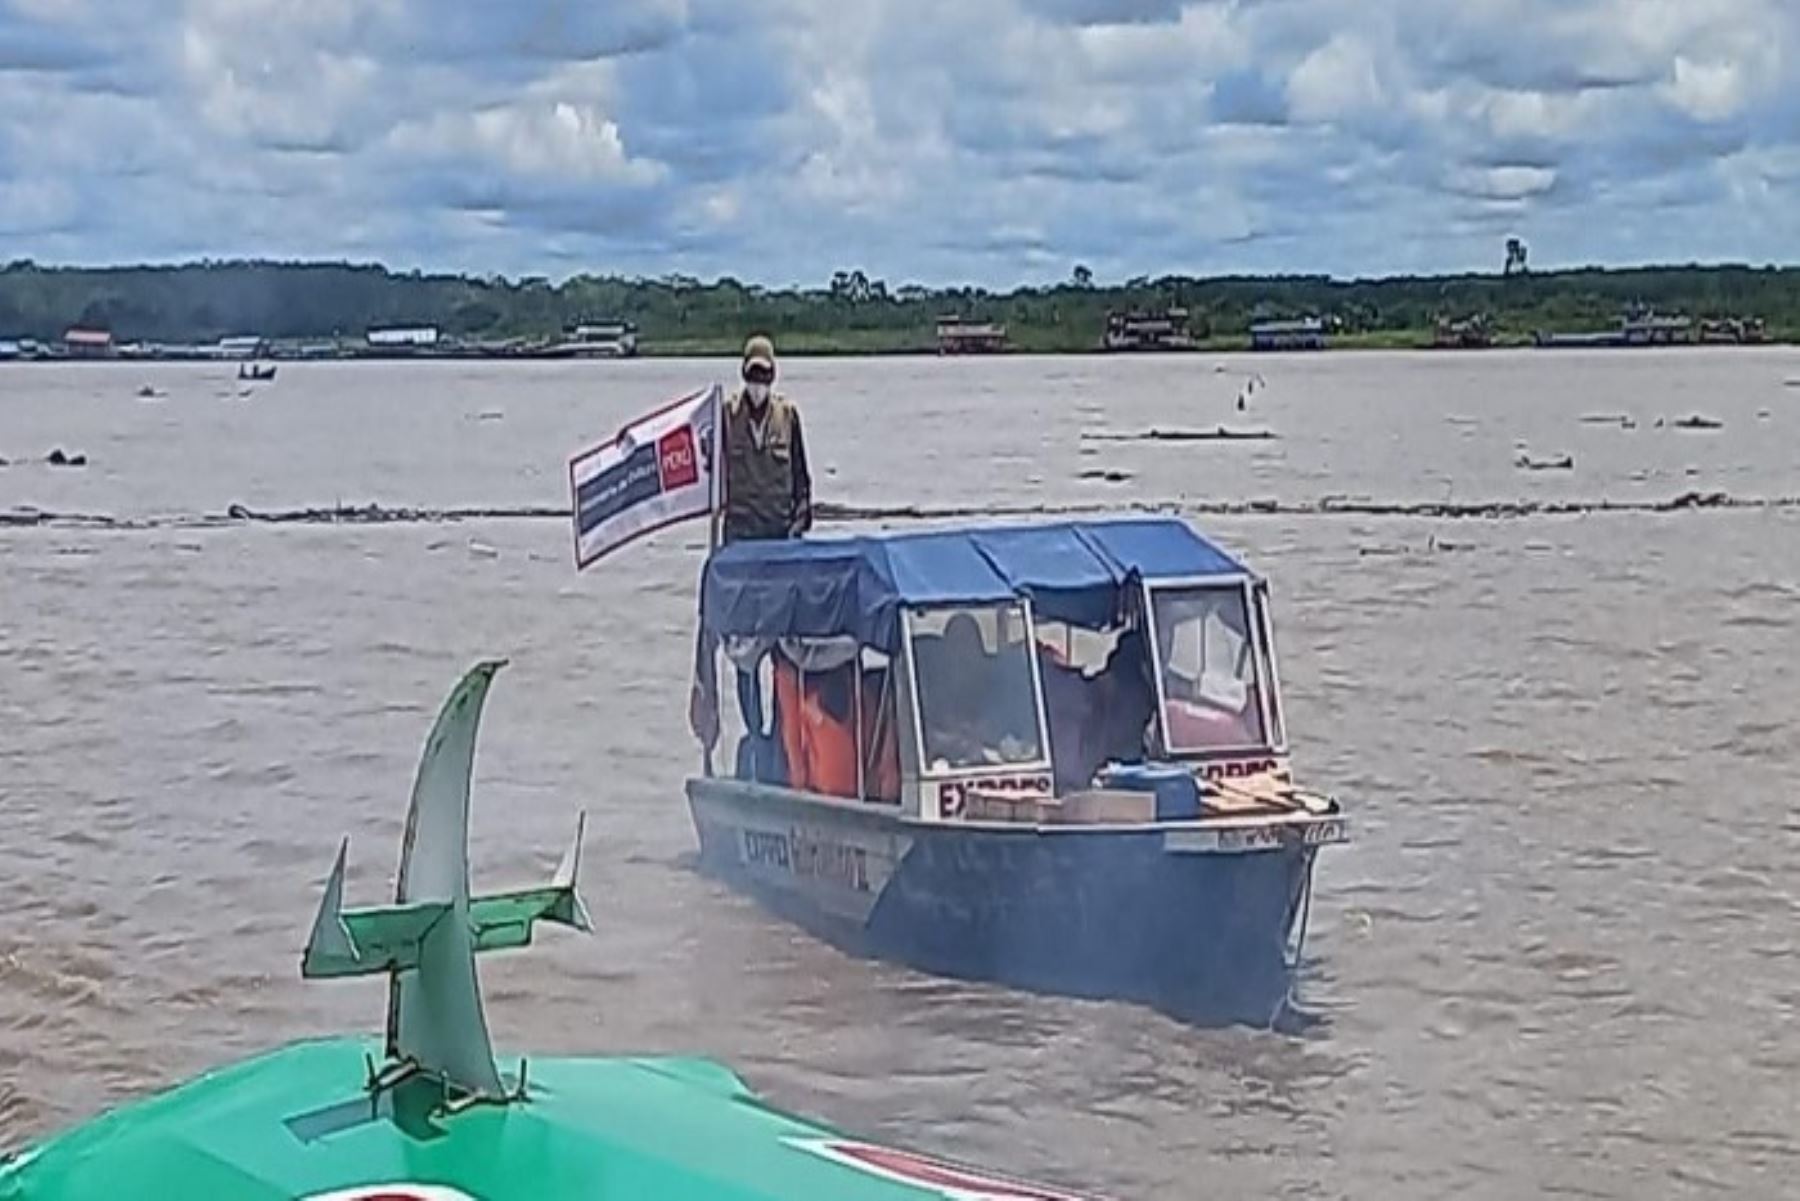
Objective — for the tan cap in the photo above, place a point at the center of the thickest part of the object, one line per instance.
(759, 350)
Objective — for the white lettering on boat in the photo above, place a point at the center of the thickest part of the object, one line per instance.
(765, 849)
(953, 795)
(1237, 769)
(808, 856)
(837, 862)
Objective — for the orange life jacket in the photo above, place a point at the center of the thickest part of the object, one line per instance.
(821, 747)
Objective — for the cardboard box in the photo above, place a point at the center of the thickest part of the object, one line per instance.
(1108, 806)
(1009, 807)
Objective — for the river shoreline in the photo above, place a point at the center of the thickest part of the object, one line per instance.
(803, 347)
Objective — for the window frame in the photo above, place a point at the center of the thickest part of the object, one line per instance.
(1043, 763)
(1251, 590)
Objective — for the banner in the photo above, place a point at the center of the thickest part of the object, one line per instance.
(660, 470)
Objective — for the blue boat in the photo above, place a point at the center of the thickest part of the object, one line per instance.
(1052, 757)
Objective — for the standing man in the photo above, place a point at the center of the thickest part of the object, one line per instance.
(767, 495)
(768, 487)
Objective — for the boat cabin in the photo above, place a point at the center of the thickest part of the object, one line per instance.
(1102, 671)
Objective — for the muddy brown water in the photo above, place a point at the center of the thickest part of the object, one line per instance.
(1560, 958)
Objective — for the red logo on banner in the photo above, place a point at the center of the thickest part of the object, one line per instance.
(675, 459)
(949, 1180)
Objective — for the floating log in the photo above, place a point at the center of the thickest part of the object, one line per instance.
(1219, 434)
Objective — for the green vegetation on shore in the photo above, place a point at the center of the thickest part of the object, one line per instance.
(852, 314)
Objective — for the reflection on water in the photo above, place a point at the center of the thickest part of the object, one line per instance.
(1559, 957)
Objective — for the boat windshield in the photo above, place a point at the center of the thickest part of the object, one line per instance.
(1209, 669)
(978, 688)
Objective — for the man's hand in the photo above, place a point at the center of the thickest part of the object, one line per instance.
(703, 716)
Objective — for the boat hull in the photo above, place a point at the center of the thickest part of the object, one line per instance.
(1155, 914)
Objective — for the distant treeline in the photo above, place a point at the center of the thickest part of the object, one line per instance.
(209, 300)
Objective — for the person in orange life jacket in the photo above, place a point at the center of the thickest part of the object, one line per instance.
(767, 489)
(817, 723)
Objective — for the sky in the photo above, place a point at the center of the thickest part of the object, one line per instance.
(991, 142)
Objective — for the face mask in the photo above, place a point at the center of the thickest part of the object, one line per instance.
(758, 393)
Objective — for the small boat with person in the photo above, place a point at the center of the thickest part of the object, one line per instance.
(1052, 757)
(257, 373)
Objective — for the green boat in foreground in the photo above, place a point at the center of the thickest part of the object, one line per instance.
(426, 1114)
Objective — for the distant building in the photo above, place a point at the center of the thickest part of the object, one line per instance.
(403, 336)
(87, 343)
(10, 349)
(957, 336)
(1465, 333)
(1164, 330)
(1655, 329)
(605, 339)
(1305, 334)
(243, 346)
(1735, 330)
(1639, 326)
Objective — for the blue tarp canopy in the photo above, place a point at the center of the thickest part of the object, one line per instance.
(822, 588)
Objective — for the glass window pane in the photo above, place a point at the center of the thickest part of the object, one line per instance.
(1210, 676)
(978, 703)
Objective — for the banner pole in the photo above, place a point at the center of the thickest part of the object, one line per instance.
(716, 494)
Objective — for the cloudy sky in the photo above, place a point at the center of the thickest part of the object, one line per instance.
(994, 141)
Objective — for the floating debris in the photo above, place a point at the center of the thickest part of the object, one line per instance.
(491, 415)
(1218, 434)
(482, 550)
(1561, 463)
(1433, 546)
(1111, 475)
(56, 458)
(1698, 422)
(148, 392)
(1623, 420)
(374, 514)
(1458, 419)
(1249, 389)
(1763, 415)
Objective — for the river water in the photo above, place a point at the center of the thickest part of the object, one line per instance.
(1561, 957)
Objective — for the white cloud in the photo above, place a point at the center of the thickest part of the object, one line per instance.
(1706, 91)
(1508, 183)
(554, 140)
(1337, 81)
